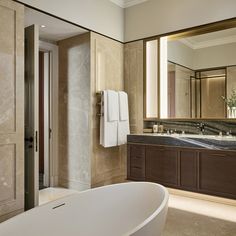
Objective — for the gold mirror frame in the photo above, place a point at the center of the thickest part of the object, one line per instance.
(193, 31)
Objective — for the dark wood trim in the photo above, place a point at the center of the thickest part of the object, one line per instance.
(178, 169)
(41, 112)
(144, 79)
(128, 161)
(159, 79)
(203, 69)
(213, 68)
(200, 94)
(198, 169)
(191, 97)
(180, 65)
(67, 21)
(190, 119)
(226, 84)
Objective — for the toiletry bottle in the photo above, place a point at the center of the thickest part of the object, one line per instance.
(161, 128)
(155, 128)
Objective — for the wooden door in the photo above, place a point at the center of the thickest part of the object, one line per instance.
(11, 109)
(31, 116)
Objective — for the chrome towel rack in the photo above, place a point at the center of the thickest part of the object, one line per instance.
(99, 103)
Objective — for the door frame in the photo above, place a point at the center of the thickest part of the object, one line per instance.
(53, 109)
(31, 116)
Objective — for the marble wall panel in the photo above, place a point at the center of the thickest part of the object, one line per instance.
(7, 173)
(212, 127)
(7, 69)
(11, 108)
(74, 112)
(133, 72)
(107, 72)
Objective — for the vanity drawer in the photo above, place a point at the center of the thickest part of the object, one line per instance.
(137, 156)
(137, 150)
(136, 162)
(137, 173)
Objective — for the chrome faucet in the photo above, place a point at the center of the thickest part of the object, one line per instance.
(201, 127)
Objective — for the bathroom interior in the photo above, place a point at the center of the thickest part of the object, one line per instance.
(168, 167)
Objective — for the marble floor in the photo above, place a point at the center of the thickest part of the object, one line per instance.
(193, 217)
(187, 216)
(50, 194)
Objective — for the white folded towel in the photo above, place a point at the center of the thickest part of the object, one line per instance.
(123, 106)
(123, 123)
(108, 129)
(113, 105)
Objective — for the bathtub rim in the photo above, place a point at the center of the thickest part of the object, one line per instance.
(156, 212)
(130, 232)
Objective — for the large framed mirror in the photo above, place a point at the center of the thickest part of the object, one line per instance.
(197, 74)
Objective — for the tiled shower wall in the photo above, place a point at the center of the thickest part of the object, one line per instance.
(190, 126)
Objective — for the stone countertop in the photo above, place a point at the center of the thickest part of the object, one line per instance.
(186, 140)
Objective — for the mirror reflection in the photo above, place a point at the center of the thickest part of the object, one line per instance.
(201, 76)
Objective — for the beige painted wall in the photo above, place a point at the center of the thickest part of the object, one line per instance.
(133, 79)
(102, 16)
(107, 72)
(161, 16)
(74, 112)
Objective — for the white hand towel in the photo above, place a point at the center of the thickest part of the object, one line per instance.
(123, 106)
(113, 105)
(108, 129)
(123, 123)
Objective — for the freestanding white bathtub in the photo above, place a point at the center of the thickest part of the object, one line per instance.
(136, 208)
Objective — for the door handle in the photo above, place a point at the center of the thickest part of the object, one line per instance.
(30, 139)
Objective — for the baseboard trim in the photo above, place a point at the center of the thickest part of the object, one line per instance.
(10, 215)
(72, 184)
(201, 196)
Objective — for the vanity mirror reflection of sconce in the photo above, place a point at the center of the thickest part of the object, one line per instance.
(192, 75)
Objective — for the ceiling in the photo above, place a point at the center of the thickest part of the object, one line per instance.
(211, 39)
(55, 29)
(127, 3)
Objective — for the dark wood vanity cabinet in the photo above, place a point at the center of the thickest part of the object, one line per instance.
(197, 170)
(162, 165)
(217, 173)
(188, 169)
(136, 162)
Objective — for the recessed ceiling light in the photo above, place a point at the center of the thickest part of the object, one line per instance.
(42, 26)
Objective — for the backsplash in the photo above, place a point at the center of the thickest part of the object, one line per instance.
(190, 126)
